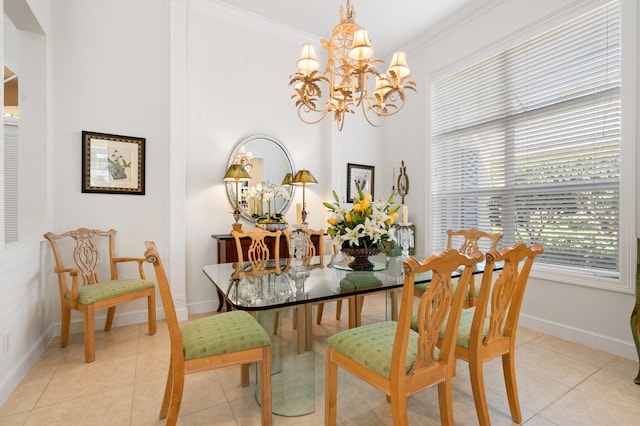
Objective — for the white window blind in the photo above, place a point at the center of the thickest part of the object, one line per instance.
(11, 192)
(527, 143)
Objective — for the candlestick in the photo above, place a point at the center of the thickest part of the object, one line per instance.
(405, 214)
(298, 214)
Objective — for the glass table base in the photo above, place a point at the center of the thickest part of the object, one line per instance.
(292, 373)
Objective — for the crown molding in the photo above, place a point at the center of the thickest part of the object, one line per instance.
(241, 17)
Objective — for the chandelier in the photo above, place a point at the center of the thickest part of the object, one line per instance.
(349, 73)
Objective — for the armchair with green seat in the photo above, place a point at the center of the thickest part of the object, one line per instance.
(86, 292)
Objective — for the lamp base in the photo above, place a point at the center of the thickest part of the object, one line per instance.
(237, 227)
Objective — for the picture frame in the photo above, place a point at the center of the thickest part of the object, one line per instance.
(112, 164)
(359, 175)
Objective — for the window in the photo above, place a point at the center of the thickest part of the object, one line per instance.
(527, 143)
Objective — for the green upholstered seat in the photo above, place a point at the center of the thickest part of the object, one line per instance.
(359, 280)
(372, 345)
(93, 293)
(464, 328)
(234, 331)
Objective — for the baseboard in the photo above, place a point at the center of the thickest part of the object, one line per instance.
(20, 370)
(203, 306)
(618, 347)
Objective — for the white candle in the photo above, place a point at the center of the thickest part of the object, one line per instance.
(298, 214)
(405, 214)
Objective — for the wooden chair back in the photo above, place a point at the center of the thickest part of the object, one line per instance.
(471, 240)
(471, 243)
(258, 253)
(85, 255)
(437, 303)
(311, 248)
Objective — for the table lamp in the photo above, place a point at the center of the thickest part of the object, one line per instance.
(236, 173)
(288, 179)
(304, 177)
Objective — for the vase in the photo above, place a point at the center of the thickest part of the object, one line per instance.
(273, 226)
(360, 256)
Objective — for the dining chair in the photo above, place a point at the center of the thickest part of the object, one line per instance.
(489, 330)
(472, 240)
(87, 293)
(257, 253)
(394, 358)
(217, 341)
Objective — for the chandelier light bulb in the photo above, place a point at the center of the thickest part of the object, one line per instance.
(382, 86)
(308, 61)
(361, 49)
(399, 65)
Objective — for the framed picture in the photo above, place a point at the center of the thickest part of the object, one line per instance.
(112, 164)
(359, 177)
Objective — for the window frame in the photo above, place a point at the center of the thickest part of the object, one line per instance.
(629, 112)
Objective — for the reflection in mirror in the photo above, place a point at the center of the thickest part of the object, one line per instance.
(268, 162)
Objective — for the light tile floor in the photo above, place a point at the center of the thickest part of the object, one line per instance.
(560, 383)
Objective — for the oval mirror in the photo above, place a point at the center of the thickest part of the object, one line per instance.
(268, 161)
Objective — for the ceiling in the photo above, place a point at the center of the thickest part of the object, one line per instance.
(390, 24)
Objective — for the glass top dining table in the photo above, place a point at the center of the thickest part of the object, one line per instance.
(294, 282)
(292, 287)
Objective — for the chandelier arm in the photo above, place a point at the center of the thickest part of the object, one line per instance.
(323, 114)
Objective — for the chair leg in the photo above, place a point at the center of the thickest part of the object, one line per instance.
(110, 314)
(479, 397)
(445, 401)
(166, 400)
(89, 334)
(399, 409)
(151, 307)
(265, 385)
(338, 309)
(64, 329)
(276, 322)
(176, 396)
(330, 391)
(244, 375)
(509, 370)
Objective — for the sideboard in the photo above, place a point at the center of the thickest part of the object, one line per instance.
(227, 246)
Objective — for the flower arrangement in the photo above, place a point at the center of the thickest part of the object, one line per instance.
(366, 224)
(265, 192)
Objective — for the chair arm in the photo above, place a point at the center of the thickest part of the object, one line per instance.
(73, 272)
(133, 259)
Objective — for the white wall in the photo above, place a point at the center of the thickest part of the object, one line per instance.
(111, 75)
(237, 69)
(595, 317)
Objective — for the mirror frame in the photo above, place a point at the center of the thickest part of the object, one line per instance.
(230, 186)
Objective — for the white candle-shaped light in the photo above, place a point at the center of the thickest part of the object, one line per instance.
(405, 214)
(298, 214)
